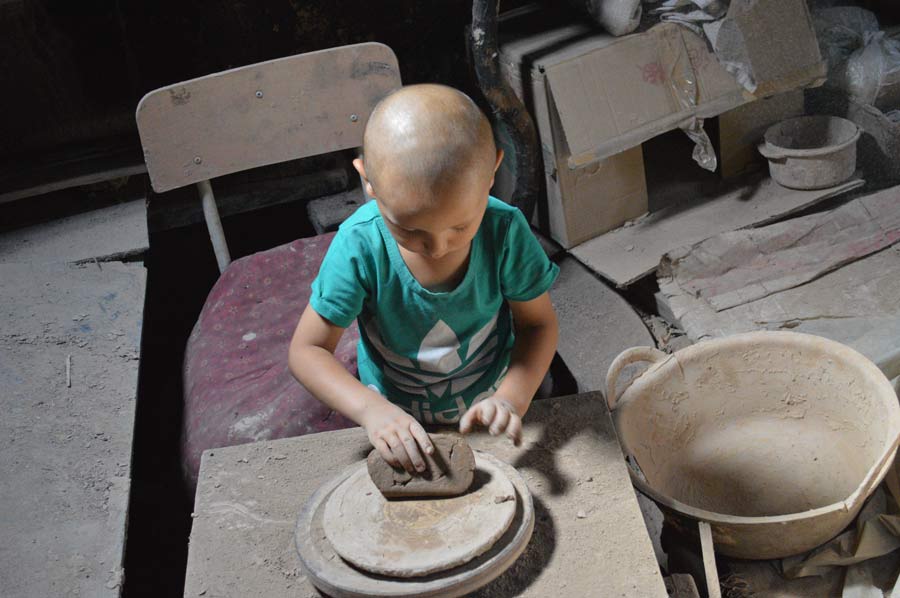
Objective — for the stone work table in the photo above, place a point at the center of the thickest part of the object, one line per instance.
(589, 537)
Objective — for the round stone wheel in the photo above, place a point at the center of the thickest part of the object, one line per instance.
(416, 537)
(339, 579)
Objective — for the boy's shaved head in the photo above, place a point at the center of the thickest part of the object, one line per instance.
(426, 137)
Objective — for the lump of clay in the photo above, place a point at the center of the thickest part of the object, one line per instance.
(449, 471)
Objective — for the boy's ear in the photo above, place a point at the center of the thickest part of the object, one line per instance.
(360, 167)
(497, 165)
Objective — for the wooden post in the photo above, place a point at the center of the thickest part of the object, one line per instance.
(709, 561)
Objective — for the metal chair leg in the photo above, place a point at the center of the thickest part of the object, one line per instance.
(214, 225)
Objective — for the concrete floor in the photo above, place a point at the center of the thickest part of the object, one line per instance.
(69, 354)
(67, 456)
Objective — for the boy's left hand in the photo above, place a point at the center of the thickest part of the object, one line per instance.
(498, 415)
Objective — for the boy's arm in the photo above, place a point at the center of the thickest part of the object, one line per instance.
(395, 433)
(537, 332)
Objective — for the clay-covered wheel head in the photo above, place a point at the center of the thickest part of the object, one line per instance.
(416, 537)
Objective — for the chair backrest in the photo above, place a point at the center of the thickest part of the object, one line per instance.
(263, 113)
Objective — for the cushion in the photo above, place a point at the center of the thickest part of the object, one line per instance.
(237, 385)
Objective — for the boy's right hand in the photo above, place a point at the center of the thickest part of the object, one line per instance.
(399, 438)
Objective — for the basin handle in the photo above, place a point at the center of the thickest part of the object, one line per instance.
(769, 152)
(626, 358)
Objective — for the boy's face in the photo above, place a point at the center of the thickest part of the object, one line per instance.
(439, 226)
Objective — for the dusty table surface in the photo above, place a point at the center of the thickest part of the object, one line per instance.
(66, 466)
(589, 538)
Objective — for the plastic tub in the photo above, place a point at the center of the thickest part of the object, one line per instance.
(811, 152)
(774, 438)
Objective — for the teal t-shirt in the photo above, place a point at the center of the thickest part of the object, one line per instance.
(431, 353)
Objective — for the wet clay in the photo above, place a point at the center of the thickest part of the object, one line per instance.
(449, 471)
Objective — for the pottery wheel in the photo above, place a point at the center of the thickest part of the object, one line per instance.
(414, 537)
(339, 579)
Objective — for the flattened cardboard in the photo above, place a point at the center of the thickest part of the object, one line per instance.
(627, 254)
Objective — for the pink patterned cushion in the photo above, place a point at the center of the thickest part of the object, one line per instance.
(237, 386)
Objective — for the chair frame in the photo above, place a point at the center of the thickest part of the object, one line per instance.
(260, 114)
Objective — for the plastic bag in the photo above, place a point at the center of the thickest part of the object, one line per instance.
(862, 60)
(872, 74)
(703, 153)
(842, 31)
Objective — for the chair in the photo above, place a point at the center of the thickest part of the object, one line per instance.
(237, 386)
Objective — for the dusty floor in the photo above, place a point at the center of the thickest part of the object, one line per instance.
(68, 380)
(159, 518)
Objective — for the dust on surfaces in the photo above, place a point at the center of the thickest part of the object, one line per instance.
(179, 96)
(371, 67)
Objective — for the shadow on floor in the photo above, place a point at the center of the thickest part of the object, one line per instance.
(181, 269)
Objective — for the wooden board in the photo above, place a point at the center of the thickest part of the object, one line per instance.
(589, 538)
(630, 253)
(60, 183)
(111, 233)
(87, 164)
(856, 305)
(264, 113)
(738, 267)
(709, 560)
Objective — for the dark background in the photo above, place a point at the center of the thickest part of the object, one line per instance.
(72, 72)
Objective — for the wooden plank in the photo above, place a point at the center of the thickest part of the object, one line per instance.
(115, 232)
(66, 464)
(709, 560)
(631, 252)
(263, 113)
(89, 178)
(70, 168)
(589, 538)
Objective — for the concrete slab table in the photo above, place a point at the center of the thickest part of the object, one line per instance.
(589, 537)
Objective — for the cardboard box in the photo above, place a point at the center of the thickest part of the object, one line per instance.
(741, 130)
(626, 90)
(594, 96)
(581, 203)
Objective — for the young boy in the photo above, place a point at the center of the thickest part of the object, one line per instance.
(449, 285)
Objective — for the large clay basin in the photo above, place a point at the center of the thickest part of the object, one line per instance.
(774, 438)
